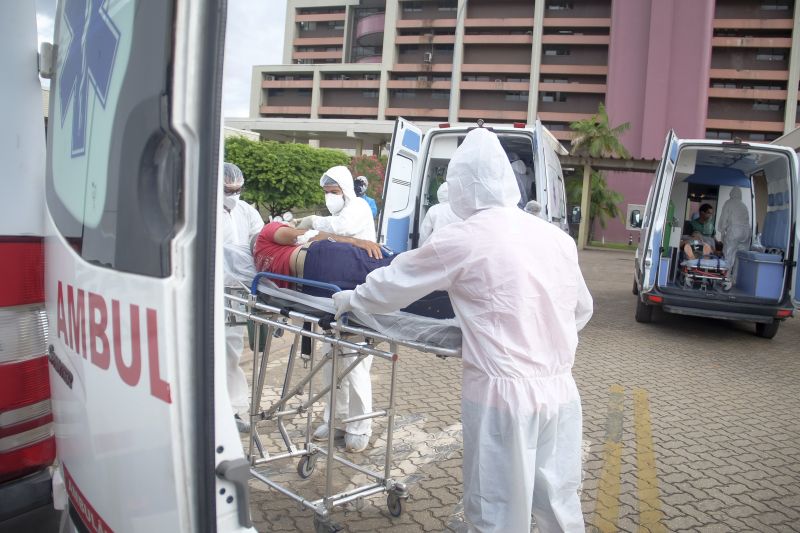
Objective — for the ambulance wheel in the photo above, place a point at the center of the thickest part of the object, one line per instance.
(395, 504)
(767, 331)
(635, 288)
(644, 312)
(325, 526)
(306, 466)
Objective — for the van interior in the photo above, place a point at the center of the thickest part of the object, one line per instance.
(444, 144)
(729, 215)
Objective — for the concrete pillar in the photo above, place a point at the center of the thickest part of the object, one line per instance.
(256, 93)
(536, 60)
(790, 114)
(458, 59)
(359, 146)
(583, 228)
(387, 63)
(316, 93)
(289, 33)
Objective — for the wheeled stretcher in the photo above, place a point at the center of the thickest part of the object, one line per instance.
(706, 273)
(271, 310)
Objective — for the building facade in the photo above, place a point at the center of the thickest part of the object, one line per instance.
(717, 69)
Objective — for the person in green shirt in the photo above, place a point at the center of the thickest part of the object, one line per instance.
(704, 223)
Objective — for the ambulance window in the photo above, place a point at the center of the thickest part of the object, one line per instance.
(113, 175)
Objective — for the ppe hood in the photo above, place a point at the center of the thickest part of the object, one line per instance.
(441, 193)
(479, 175)
(342, 177)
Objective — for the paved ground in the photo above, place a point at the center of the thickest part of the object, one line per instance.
(689, 425)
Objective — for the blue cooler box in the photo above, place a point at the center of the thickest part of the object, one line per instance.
(760, 275)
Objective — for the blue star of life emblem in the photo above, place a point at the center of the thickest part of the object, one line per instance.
(89, 62)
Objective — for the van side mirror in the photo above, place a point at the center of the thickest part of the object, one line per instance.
(575, 215)
(636, 219)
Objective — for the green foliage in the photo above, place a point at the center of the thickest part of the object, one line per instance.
(280, 177)
(595, 136)
(603, 202)
(374, 169)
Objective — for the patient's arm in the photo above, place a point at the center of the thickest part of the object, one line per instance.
(287, 235)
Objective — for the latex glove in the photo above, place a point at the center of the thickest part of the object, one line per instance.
(306, 223)
(341, 301)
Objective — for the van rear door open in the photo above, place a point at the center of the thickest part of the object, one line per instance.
(132, 192)
(795, 194)
(401, 186)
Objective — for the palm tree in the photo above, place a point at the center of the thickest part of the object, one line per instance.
(595, 137)
(603, 202)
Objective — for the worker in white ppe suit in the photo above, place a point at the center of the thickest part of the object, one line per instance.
(519, 296)
(734, 226)
(438, 216)
(351, 216)
(240, 223)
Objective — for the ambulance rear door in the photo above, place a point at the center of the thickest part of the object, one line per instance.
(132, 190)
(400, 187)
(552, 193)
(795, 191)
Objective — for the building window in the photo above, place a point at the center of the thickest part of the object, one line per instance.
(559, 6)
(308, 26)
(556, 51)
(412, 7)
(554, 97)
(405, 94)
(758, 137)
(447, 5)
(775, 6)
(336, 25)
(369, 94)
(275, 92)
(440, 95)
(304, 92)
(768, 54)
(517, 96)
(766, 106)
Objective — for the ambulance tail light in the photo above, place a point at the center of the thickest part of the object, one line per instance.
(520, 125)
(27, 443)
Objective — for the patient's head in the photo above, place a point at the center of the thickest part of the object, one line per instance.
(697, 236)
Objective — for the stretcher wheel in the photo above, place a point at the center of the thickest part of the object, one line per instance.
(325, 526)
(644, 312)
(306, 466)
(395, 504)
(767, 331)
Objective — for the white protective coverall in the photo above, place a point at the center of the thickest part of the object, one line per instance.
(239, 225)
(355, 218)
(354, 397)
(734, 226)
(438, 216)
(520, 298)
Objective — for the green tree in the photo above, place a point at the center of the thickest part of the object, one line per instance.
(280, 176)
(603, 202)
(595, 137)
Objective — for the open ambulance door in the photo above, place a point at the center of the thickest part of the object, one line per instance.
(132, 269)
(400, 187)
(795, 289)
(553, 194)
(655, 214)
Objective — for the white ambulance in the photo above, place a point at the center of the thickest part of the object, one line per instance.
(132, 287)
(418, 165)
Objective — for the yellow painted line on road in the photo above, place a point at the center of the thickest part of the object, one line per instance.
(650, 515)
(607, 505)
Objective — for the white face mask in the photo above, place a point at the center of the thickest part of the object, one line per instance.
(518, 167)
(334, 202)
(230, 201)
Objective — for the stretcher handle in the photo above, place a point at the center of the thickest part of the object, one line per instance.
(291, 279)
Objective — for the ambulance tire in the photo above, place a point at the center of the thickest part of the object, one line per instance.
(644, 312)
(635, 288)
(767, 331)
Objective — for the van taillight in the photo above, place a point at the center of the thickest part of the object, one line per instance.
(26, 421)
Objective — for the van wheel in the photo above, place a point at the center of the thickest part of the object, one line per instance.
(635, 288)
(644, 312)
(767, 331)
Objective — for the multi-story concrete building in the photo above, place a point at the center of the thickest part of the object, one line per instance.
(706, 68)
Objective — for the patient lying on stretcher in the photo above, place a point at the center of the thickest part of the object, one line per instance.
(341, 261)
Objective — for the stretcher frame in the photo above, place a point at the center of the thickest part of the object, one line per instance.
(339, 334)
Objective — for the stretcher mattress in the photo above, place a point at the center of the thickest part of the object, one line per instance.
(240, 269)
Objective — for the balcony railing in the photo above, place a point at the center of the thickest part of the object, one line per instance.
(369, 30)
(747, 94)
(576, 22)
(492, 114)
(285, 110)
(743, 125)
(592, 88)
(752, 42)
(748, 74)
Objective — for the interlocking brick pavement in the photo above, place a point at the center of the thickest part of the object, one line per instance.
(723, 408)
